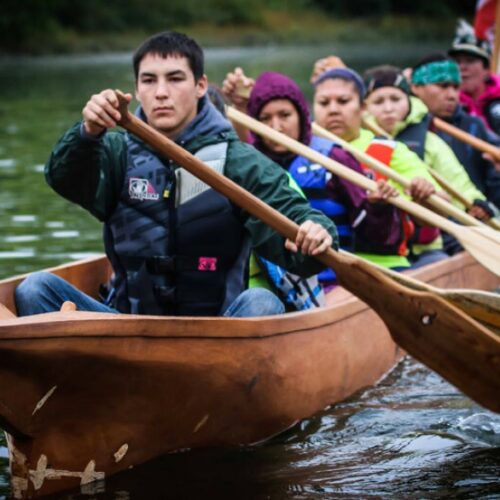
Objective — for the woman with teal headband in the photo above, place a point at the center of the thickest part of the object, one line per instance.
(407, 119)
(436, 82)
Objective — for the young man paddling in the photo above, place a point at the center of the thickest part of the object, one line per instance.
(176, 246)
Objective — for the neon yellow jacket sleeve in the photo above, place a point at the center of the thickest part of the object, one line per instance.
(441, 158)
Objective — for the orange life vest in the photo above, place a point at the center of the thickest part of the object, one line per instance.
(382, 150)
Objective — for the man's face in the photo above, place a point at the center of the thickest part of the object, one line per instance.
(168, 93)
(440, 98)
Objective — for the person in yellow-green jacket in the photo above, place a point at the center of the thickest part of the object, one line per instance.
(338, 107)
(407, 119)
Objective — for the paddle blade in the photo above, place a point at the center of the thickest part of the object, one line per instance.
(433, 331)
(482, 244)
(482, 306)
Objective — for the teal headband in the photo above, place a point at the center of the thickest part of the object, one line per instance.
(436, 72)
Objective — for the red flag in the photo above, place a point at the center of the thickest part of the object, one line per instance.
(484, 22)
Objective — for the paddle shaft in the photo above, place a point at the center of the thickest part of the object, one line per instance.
(494, 66)
(379, 131)
(435, 201)
(459, 134)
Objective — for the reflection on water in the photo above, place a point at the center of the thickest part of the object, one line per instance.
(413, 436)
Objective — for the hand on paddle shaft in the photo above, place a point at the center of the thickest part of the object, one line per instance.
(312, 239)
(101, 112)
(382, 194)
(420, 189)
(237, 87)
(492, 159)
(479, 213)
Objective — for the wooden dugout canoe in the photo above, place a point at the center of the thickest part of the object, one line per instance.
(84, 395)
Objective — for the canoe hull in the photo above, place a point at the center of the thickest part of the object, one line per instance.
(96, 393)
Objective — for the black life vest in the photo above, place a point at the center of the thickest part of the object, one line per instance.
(414, 135)
(177, 246)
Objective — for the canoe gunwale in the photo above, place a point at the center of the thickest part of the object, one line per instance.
(84, 324)
(106, 325)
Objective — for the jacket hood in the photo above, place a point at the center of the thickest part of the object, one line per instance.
(491, 92)
(418, 111)
(270, 85)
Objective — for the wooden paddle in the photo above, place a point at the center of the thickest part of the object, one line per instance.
(480, 305)
(480, 242)
(435, 332)
(379, 131)
(438, 203)
(494, 66)
(463, 136)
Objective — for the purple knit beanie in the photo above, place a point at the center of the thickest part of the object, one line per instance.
(270, 85)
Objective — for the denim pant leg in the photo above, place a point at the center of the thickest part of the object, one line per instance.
(428, 257)
(45, 292)
(255, 302)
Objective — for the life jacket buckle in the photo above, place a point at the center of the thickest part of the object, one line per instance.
(165, 294)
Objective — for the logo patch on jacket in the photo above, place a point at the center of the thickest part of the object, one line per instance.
(207, 264)
(141, 189)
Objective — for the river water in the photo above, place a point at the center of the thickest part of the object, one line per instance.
(411, 436)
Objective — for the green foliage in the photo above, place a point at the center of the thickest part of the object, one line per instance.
(379, 8)
(46, 25)
(27, 25)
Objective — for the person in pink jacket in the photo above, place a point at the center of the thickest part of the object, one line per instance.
(479, 89)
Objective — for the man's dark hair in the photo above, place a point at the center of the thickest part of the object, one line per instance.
(430, 58)
(171, 43)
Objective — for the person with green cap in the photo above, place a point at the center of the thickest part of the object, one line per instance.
(479, 88)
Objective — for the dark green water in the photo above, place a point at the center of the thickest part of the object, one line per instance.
(413, 436)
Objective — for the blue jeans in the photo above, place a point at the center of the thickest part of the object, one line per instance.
(428, 257)
(44, 292)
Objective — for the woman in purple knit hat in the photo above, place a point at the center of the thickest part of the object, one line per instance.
(366, 224)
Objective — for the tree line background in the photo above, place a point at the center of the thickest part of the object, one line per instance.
(28, 25)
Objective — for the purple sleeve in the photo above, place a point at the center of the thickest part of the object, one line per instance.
(376, 225)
